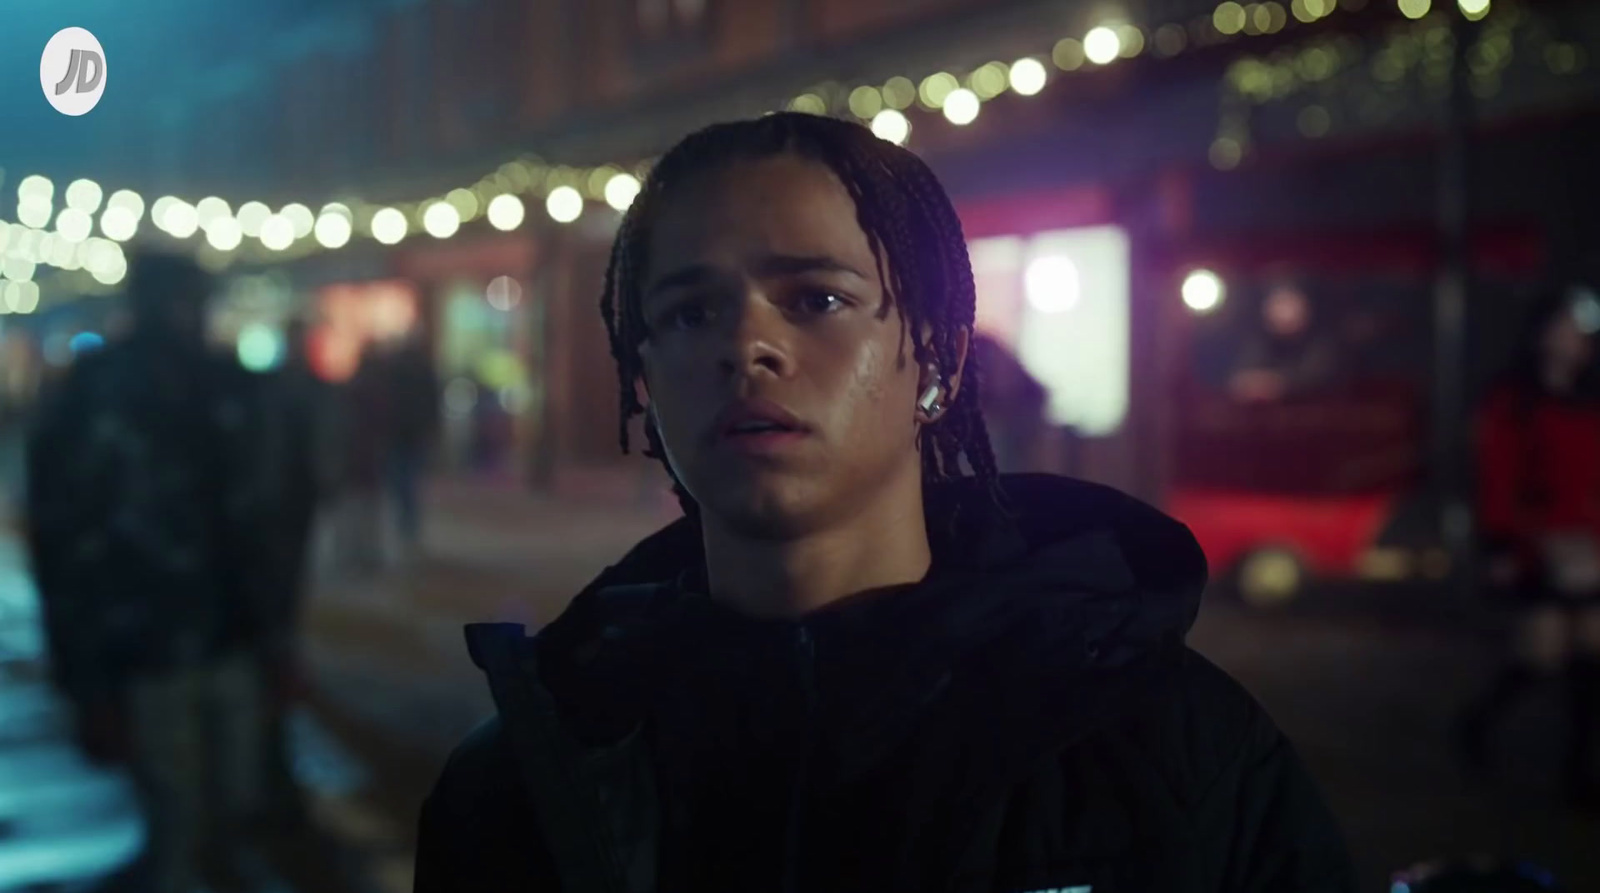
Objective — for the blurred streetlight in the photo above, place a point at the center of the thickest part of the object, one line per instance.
(251, 216)
(441, 220)
(621, 190)
(564, 205)
(277, 233)
(388, 226)
(891, 125)
(1028, 76)
(961, 107)
(1203, 291)
(224, 233)
(506, 212)
(84, 195)
(1102, 45)
(332, 229)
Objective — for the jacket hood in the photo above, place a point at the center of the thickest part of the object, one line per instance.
(1054, 542)
(1037, 618)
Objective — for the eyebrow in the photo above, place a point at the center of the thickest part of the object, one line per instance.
(771, 265)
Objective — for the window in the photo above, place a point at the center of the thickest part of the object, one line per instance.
(1060, 301)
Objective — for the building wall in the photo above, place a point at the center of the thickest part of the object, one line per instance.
(446, 82)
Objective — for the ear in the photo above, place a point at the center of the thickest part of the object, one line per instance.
(945, 373)
(950, 370)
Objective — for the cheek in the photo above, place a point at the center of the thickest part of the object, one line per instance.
(879, 390)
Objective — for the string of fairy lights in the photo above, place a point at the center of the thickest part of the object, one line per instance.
(1334, 80)
(222, 233)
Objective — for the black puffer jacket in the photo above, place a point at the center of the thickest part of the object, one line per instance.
(1026, 719)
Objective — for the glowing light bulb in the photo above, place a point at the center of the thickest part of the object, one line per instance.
(75, 224)
(564, 205)
(961, 107)
(224, 233)
(332, 230)
(301, 220)
(441, 220)
(1203, 291)
(277, 233)
(1028, 76)
(84, 195)
(1102, 46)
(251, 216)
(621, 190)
(506, 212)
(891, 125)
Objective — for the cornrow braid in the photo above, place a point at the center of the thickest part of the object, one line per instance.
(916, 239)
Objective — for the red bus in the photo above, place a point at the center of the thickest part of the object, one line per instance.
(1270, 391)
(1298, 401)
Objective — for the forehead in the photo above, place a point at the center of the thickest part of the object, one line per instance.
(782, 205)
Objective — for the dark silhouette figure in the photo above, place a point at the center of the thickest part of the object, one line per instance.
(1539, 513)
(147, 514)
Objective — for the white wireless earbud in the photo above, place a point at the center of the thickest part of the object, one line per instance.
(929, 401)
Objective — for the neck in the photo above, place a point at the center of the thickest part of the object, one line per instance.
(883, 545)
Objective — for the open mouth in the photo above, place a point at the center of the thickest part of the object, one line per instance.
(755, 428)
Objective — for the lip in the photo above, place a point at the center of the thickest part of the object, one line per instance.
(743, 412)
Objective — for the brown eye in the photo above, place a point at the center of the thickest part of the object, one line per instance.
(820, 303)
(684, 316)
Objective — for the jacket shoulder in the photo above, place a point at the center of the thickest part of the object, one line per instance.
(480, 770)
(1225, 766)
(476, 832)
(1202, 727)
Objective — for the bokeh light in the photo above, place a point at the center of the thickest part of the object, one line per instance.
(277, 233)
(621, 190)
(332, 230)
(564, 205)
(1102, 46)
(441, 220)
(961, 107)
(84, 195)
(224, 233)
(1028, 76)
(891, 125)
(1203, 291)
(506, 212)
(389, 226)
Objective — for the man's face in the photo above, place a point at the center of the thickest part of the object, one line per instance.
(762, 288)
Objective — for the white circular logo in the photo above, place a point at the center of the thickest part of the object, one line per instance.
(72, 71)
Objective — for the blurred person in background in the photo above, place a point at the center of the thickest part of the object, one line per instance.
(305, 440)
(1539, 513)
(146, 518)
(1290, 354)
(413, 418)
(853, 665)
(1013, 406)
(367, 406)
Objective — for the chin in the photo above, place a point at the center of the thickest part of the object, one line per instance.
(763, 509)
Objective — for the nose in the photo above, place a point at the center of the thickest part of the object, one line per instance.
(758, 341)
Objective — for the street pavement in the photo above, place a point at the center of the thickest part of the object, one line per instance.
(67, 825)
(1366, 697)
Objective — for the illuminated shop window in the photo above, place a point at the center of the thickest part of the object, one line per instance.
(1060, 301)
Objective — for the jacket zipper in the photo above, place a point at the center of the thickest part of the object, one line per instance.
(806, 649)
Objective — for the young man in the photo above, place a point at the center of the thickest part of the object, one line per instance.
(851, 666)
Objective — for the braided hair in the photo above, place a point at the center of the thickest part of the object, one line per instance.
(916, 240)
